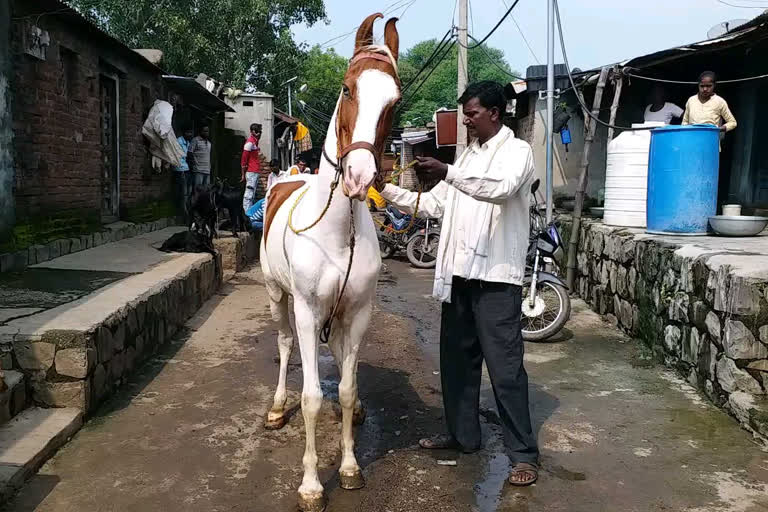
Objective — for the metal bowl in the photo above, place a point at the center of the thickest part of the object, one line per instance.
(738, 226)
(597, 211)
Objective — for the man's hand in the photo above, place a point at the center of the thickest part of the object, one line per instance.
(723, 128)
(242, 175)
(430, 169)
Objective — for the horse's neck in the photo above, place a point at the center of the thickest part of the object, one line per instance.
(331, 147)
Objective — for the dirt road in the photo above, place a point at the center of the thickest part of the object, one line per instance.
(187, 433)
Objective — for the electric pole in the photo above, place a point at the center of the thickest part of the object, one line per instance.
(550, 102)
(461, 84)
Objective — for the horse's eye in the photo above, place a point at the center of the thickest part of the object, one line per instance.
(345, 91)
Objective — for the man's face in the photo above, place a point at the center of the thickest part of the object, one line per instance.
(480, 121)
(188, 134)
(706, 87)
(205, 132)
(256, 134)
(301, 165)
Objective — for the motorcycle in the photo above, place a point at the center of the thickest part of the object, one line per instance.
(420, 241)
(546, 304)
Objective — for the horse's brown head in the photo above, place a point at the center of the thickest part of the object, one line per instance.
(366, 106)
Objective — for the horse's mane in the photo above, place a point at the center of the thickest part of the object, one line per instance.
(382, 50)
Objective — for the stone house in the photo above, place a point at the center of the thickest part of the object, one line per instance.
(77, 99)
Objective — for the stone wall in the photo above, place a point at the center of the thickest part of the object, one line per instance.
(74, 368)
(698, 304)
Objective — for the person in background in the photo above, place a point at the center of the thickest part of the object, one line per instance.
(275, 175)
(250, 165)
(483, 200)
(660, 110)
(199, 156)
(182, 176)
(299, 168)
(255, 214)
(707, 107)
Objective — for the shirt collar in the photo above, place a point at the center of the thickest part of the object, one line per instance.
(492, 142)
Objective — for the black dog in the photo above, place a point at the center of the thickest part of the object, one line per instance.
(204, 206)
(188, 241)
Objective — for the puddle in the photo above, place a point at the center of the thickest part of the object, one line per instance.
(489, 489)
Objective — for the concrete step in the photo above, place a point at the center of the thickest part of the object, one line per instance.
(30, 439)
(14, 399)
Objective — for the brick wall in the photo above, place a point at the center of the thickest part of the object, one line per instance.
(56, 119)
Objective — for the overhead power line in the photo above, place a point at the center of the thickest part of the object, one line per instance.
(493, 61)
(437, 64)
(763, 6)
(444, 41)
(681, 82)
(498, 24)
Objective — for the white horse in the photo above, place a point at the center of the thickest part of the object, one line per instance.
(312, 265)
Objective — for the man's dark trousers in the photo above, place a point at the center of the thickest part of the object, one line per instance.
(482, 321)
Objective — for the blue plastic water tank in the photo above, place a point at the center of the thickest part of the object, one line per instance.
(683, 169)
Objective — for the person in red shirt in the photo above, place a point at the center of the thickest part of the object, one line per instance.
(250, 165)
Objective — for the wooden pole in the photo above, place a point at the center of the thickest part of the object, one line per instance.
(619, 81)
(462, 78)
(574, 239)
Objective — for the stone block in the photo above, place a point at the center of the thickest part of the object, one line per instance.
(741, 404)
(98, 239)
(764, 334)
(672, 338)
(6, 361)
(712, 323)
(141, 314)
(64, 246)
(118, 337)
(65, 338)
(31, 255)
(627, 253)
(42, 253)
(632, 283)
(130, 360)
(687, 278)
(75, 362)
(34, 356)
(621, 281)
(140, 347)
(99, 386)
(740, 344)
(678, 307)
(613, 276)
(116, 367)
(61, 394)
(54, 250)
(635, 319)
(86, 241)
(597, 243)
(698, 314)
(104, 344)
(670, 282)
(691, 347)
(626, 315)
(132, 324)
(731, 378)
(712, 360)
(75, 245)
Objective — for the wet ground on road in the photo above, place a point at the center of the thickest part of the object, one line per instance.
(187, 433)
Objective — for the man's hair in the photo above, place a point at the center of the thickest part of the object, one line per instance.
(489, 93)
(256, 127)
(708, 74)
(203, 127)
(302, 160)
(187, 128)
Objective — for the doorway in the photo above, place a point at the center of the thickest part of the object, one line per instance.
(110, 148)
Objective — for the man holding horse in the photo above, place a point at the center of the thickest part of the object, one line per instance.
(483, 200)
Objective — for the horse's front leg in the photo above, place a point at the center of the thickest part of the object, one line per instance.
(311, 495)
(350, 476)
(276, 416)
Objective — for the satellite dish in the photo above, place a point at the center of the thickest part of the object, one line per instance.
(723, 28)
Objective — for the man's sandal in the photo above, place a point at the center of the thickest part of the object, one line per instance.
(523, 474)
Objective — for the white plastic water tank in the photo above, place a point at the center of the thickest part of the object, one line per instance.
(626, 178)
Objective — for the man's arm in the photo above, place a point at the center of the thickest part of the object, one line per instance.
(431, 204)
(507, 173)
(727, 115)
(244, 160)
(687, 115)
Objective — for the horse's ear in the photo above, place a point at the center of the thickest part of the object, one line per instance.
(365, 32)
(391, 37)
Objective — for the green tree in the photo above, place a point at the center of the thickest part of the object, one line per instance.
(238, 42)
(439, 90)
(322, 72)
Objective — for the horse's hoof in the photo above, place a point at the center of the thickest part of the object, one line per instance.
(351, 481)
(358, 417)
(275, 423)
(312, 502)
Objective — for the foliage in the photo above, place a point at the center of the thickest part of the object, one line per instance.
(234, 41)
(440, 90)
(323, 72)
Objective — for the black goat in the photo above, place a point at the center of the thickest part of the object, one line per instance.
(204, 206)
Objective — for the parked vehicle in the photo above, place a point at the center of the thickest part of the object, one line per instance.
(420, 241)
(546, 303)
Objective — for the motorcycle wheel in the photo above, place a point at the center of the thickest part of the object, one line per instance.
(419, 257)
(548, 315)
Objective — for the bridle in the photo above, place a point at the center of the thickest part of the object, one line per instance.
(341, 154)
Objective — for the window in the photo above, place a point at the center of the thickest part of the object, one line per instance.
(67, 72)
(247, 103)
